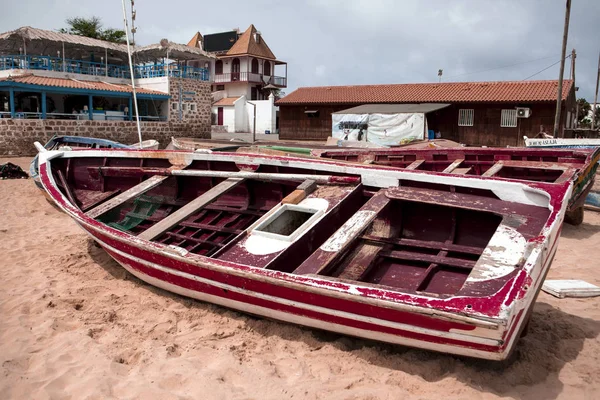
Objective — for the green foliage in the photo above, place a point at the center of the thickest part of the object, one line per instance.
(583, 109)
(92, 28)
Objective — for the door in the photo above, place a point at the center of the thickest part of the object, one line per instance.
(235, 69)
(220, 116)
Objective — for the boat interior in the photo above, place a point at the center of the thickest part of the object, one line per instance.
(419, 237)
(522, 164)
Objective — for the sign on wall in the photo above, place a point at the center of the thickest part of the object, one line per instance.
(350, 126)
(381, 129)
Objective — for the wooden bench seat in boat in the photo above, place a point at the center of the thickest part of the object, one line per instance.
(193, 206)
(129, 194)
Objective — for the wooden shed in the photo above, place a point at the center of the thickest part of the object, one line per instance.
(480, 113)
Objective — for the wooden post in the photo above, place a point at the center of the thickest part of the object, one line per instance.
(596, 93)
(90, 107)
(130, 109)
(562, 71)
(11, 92)
(43, 105)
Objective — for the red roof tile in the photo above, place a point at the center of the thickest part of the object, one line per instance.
(451, 92)
(77, 84)
(226, 101)
(248, 45)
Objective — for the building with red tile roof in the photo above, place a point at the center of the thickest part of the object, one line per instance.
(245, 69)
(451, 92)
(479, 113)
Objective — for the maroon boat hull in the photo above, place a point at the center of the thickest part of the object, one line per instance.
(461, 325)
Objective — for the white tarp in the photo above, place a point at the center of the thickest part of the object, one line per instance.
(393, 129)
(350, 126)
(381, 129)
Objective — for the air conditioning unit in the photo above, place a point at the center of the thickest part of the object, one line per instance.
(523, 112)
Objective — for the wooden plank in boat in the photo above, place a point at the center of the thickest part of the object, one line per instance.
(415, 164)
(461, 200)
(190, 208)
(339, 242)
(461, 171)
(494, 169)
(303, 190)
(365, 257)
(129, 194)
(453, 166)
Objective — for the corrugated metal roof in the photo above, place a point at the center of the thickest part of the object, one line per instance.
(394, 108)
(452, 92)
(77, 84)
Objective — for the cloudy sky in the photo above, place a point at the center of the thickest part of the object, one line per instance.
(338, 42)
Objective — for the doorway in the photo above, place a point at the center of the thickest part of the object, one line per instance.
(220, 116)
(235, 69)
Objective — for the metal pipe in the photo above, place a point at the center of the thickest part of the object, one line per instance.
(263, 176)
(135, 104)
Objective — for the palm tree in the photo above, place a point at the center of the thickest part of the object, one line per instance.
(92, 28)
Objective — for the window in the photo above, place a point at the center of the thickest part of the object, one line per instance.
(312, 113)
(465, 117)
(254, 68)
(218, 67)
(183, 106)
(174, 106)
(192, 107)
(220, 87)
(508, 119)
(267, 68)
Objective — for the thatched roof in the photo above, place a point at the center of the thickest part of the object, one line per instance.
(43, 42)
(175, 51)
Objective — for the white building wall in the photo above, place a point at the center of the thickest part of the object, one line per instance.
(236, 89)
(160, 84)
(241, 116)
(266, 113)
(228, 116)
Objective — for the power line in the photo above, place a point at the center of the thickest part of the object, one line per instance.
(504, 66)
(548, 67)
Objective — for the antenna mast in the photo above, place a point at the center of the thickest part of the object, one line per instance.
(135, 104)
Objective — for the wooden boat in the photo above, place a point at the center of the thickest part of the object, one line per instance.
(445, 263)
(57, 142)
(533, 165)
(561, 143)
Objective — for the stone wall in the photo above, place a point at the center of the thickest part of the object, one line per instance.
(201, 96)
(17, 135)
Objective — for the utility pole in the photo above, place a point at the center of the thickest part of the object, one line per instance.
(573, 57)
(596, 94)
(562, 69)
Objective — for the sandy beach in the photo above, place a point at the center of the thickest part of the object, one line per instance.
(75, 325)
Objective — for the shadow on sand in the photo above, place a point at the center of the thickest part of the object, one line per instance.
(583, 231)
(554, 339)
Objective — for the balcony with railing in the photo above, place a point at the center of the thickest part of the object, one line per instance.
(48, 63)
(251, 77)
